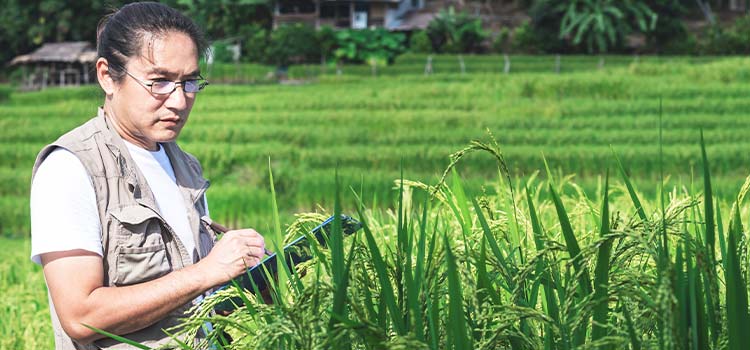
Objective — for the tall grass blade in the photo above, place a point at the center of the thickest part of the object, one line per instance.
(736, 288)
(433, 320)
(545, 277)
(416, 288)
(509, 269)
(681, 296)
(278, 241)
(402, 266)
(708, 206)
(631, 190)
(339, 267)
(571, 242)
(118, 338)
(662, 258)
(574, 250)
(458, 331)
(461, 208)
(485, 289)
(722, 239)
(699, 328)
(635, 342)
(387, 296)
(711, 281)
(601, 273)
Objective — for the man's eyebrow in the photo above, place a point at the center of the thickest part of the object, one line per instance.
(165, 72)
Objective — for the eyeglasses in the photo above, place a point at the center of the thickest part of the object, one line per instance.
(166, 87)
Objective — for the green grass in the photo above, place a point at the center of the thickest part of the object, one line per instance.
(25, 314)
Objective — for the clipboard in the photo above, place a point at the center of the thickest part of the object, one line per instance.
(296, 252)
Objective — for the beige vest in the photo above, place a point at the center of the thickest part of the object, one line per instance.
(138, 244)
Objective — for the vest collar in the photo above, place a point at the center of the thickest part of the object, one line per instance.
(188, 177)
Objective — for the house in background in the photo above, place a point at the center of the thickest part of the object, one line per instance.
(357, 14)
(57, 64)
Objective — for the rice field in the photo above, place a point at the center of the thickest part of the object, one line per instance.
(566, 259)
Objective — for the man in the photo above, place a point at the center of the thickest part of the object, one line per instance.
(116, 204)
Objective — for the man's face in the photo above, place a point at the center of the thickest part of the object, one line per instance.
(145, 118)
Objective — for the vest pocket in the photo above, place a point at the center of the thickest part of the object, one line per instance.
(136, 265)
(140, 252)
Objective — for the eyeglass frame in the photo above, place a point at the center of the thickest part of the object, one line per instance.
(181, 83)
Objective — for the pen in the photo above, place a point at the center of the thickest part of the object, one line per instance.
(221, 229)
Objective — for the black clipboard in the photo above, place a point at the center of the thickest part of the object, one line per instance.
(296, 252)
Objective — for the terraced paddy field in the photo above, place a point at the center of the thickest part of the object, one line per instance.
(371, 129)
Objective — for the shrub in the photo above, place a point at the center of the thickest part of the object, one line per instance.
(686, 45)
(326, 37)
(369, 45)
(501, 43)
(733, 40)
(5, 92)
(541, 34)
(295, 43)
(456, 32)
(255, 44)
(670, 35)
(420, 42)
(526, 39)
(221, 52)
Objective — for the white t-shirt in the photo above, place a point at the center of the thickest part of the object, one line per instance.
(64, 215)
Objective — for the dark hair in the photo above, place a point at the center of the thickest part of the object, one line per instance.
(120, 35)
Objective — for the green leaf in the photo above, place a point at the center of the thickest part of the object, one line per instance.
(482, 276)
(736, 289)
(601, 273)
(339, 267)
(543, 270)
(458, 330)
(711, 283)
(278, 241)
(571, 242)
(574, 251)
(631, 191)
(635, 342)
(382, 275)
(708, 206)
(118, 338)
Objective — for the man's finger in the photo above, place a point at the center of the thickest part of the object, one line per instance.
(255, 252)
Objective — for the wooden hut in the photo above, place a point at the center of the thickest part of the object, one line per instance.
(356, 14)
(57, 64)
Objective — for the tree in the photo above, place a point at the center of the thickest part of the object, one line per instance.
(456, 32)
(670, 35)
(25, 25)
(601, 24)
(227, 18)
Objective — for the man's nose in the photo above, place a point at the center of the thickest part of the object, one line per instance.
(177, 99)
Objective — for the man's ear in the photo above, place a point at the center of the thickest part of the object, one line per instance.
(104, 77)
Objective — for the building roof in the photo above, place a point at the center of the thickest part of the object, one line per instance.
(347, 1)
(415, 20)
(68, 52)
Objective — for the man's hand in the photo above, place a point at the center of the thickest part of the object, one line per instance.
(235, 252)
(75, 281)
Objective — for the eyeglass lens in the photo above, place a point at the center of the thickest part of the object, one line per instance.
(166, 87)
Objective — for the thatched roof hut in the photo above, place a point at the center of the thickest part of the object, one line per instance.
(57, 64)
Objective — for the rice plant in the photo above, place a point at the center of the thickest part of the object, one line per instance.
(521, 268)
